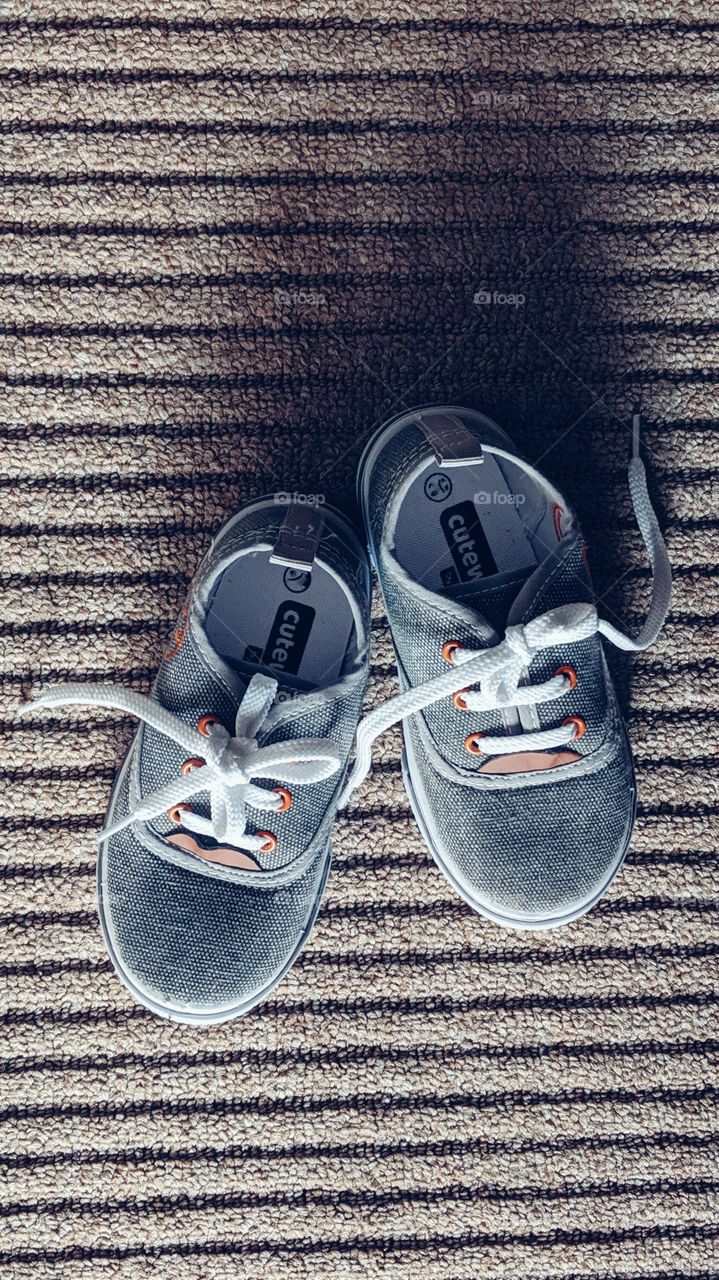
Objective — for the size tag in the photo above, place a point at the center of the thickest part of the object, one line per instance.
(452, 442)
(299, 537)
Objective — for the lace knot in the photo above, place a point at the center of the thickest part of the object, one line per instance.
(230, 758)
(519, 643)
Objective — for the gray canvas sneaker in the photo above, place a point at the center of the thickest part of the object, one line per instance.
(216, 846)
(516, 760)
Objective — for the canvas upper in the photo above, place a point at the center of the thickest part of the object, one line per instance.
(531, 828)
(194, 938)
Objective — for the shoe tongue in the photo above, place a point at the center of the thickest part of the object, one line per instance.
(288, 686)
(199, 682)
(491, 599)
(561, 578)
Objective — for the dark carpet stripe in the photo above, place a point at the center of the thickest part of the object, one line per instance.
(403, 26)
(464, 124)
(293, 382)
(532, 957)
(309, 328)
(79, 578)
(161, 577)
(54, 675)
(428, 1006)
(209, 428)
(416, 1055)
(310, 76)
(396, 228)
(460, 1193)
(195, 527)
(114, 529)
(443, 1149)
(138, 482)
(100, 482)
(365, 1103)
(382, 1245)
(61, 773)
(110, 626)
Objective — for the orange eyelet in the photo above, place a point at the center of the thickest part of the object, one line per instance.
(187, 766)
(176, 812)
(270, 842)
(204, 723)
(570, 673)
(472, 743)
(449, 648)
(458, 700)
(580, 725)
(285, 797)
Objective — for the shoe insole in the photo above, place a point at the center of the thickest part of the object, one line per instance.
(465, 524)
(291, 625)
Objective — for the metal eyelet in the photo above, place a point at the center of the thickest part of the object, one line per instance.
(580, 725)
(285, 797)
(205, 723)
(187, 766)
(176, 811)
(270, 843)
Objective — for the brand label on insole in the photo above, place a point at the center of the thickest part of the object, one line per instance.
(467, 542)
(288, 638)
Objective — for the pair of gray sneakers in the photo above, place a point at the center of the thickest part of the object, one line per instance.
(216, 848)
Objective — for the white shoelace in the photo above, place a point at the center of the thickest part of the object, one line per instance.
(499, 670)
(230, 763)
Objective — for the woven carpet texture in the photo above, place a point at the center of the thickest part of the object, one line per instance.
(233, 240)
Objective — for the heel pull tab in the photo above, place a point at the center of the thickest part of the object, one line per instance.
(299, 536)
(452, 442)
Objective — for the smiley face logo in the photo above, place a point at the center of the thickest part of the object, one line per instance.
(296, 580)
(437, 487)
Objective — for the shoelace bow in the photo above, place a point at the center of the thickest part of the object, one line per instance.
(498, 671)
(231, 762)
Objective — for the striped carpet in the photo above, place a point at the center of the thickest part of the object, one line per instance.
(231, 242)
